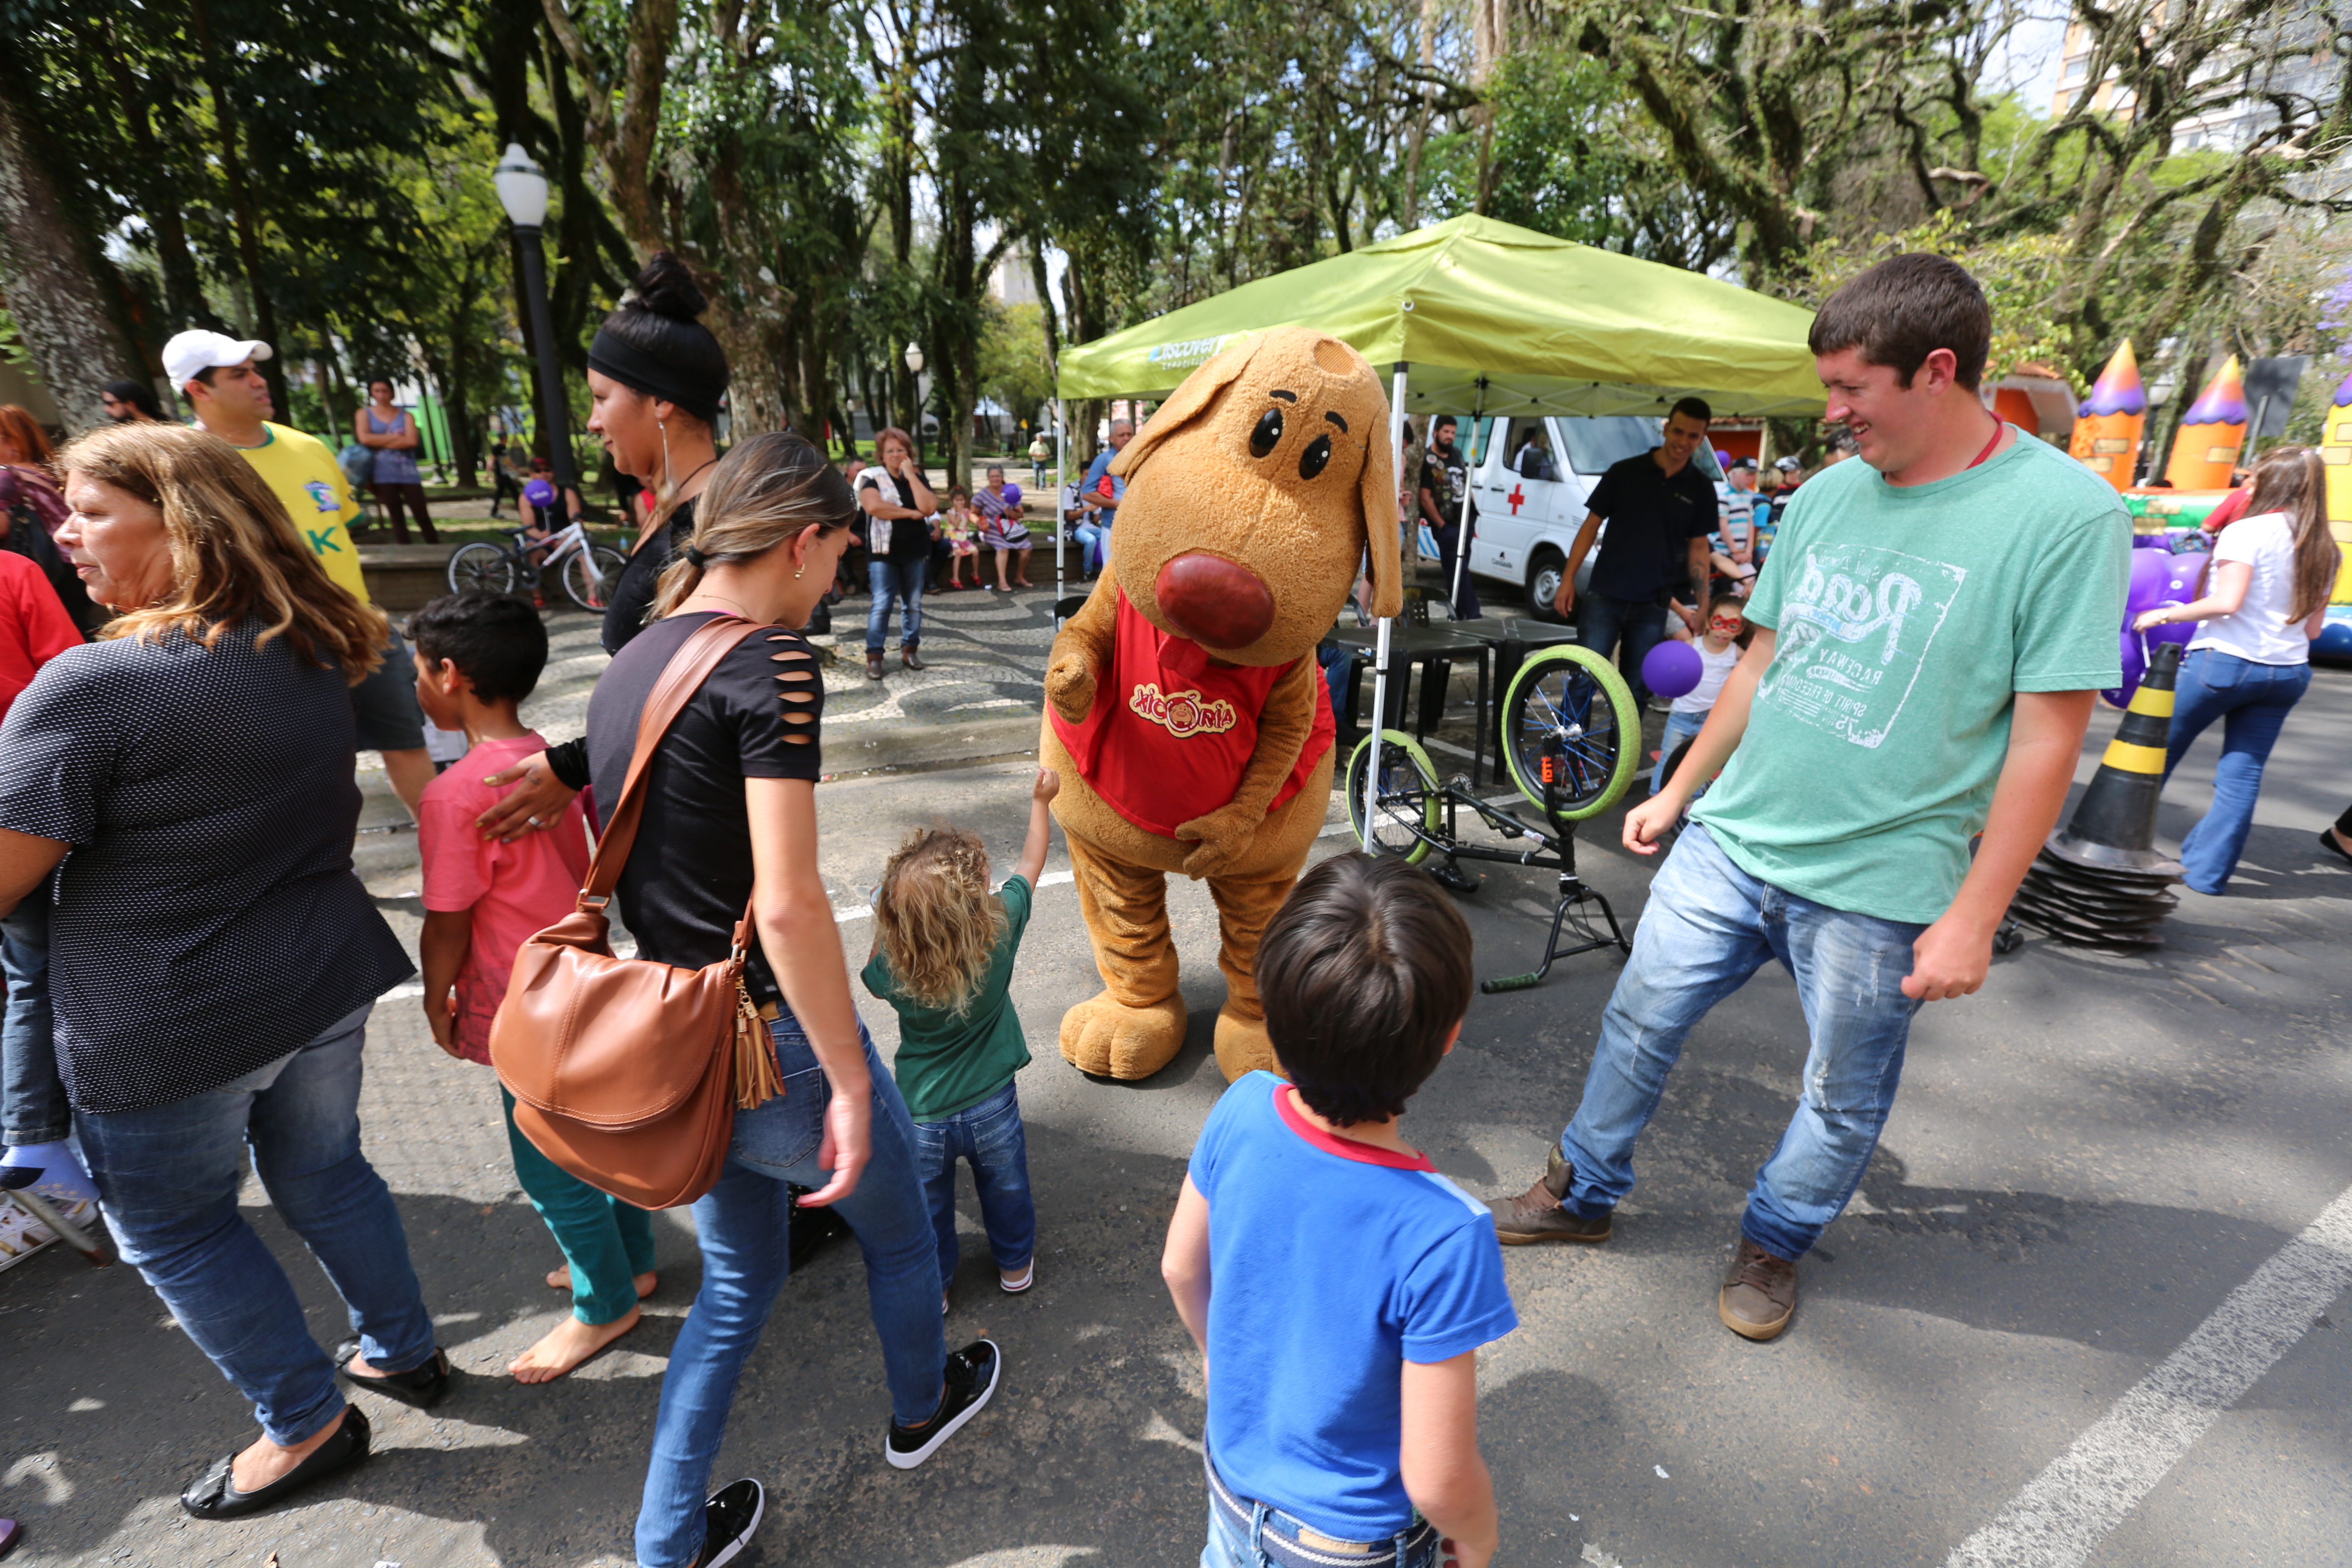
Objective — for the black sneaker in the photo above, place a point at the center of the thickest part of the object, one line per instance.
(971, 1375)
(728, 1520)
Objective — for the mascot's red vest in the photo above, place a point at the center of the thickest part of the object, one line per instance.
(1184, 728)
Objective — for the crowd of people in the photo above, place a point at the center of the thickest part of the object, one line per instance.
(191, 963)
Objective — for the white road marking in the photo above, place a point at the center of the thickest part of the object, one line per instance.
(2063, 1514)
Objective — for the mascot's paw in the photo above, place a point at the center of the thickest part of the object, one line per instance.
(1242, 1045)
(1104, 1038)
(1070, 687)
(1224, 834)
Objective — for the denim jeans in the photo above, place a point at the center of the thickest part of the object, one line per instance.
(32, 1099)
(1680, 727)
(989, 1136)
(1708, 927)
(1094, 547)
(1640, 624)
(2252, 702)
(1465, 603)
(891, 580)
(744, 1226)
(168, 1175)
(1234, 1543)
(606, 1243)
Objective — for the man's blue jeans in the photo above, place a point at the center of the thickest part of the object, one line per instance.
(989, 1136)
(744, 1226)
(891, 580)
(1708, 927)
(168, 1175)
(32, 1098)
(2252, 702)
(1094, 547)
(1639, 624)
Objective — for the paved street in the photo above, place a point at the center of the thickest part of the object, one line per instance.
(2087, 1159)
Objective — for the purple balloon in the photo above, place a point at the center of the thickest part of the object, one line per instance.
(540, 493)
(1672, 668)
(2135, 668)
(2181, 577)
(1012, 494)
(2151, 574)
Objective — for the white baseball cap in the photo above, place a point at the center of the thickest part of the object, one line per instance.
(191, 353)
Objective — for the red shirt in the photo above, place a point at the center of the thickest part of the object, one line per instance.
(1170, 732)
(34, 627)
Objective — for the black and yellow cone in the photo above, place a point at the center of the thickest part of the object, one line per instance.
(2099, 882)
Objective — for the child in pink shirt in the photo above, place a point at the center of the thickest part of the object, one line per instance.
(477, 657)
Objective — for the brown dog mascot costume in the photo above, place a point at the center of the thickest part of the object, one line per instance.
(1185, 711)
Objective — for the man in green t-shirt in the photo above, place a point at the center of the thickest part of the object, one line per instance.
(1932, 626)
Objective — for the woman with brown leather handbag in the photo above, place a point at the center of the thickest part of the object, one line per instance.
(728, 819)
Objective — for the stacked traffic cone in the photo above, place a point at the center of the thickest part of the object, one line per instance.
(2099, 882)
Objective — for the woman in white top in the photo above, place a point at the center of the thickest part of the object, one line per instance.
(2273, 570)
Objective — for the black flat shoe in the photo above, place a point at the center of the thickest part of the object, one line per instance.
(420, 1387)
(2327, 842)
(214, 1496)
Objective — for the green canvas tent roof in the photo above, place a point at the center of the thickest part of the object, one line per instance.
(1552, 326)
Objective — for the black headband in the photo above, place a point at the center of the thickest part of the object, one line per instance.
(633, 367)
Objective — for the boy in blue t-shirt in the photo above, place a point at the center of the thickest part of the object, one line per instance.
(1338, 1285)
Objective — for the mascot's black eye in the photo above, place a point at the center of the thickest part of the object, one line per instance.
(1268, 431)
(1311, 461)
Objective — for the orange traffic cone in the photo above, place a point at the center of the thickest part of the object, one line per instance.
(2099, 882)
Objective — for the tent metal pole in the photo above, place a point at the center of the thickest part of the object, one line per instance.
(1061, 480)
(1461, 524)
(1380, 647)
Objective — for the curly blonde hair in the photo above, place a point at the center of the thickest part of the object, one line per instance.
(938, 922)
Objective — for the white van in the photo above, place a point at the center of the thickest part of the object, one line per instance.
(1527, 525)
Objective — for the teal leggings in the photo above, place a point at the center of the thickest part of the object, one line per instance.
(608, 1243)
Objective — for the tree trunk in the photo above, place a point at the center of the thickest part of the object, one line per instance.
(249, 222)
(59, 309)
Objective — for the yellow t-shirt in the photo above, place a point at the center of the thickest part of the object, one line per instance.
(312, 490)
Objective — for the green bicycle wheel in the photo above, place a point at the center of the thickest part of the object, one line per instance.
(1567, 710)
(1408, 796)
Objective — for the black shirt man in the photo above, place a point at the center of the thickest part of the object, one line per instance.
(1660, 509)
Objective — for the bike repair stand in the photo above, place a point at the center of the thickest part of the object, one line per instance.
(1577, 900)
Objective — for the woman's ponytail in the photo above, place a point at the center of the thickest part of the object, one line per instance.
(763, 492)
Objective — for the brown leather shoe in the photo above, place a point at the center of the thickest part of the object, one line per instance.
(1759, 1293)
(910, 658)
(873, 666)
(1536, 1215)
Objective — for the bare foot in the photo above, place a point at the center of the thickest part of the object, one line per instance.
(265, 1461)
(568, 1344)
(561, 1279)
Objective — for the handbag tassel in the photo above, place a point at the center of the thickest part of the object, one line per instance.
(757, 1081)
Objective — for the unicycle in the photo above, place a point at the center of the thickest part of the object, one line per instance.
(1571, 735)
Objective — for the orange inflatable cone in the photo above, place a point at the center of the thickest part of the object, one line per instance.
(2099, 882)
(2212, 434)
(2108, 427)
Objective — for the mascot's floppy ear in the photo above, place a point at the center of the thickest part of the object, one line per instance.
(1383, 536)
(1199, 392)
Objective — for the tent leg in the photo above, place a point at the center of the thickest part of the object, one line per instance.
(1461, 524)
(1061, 479)
(1379, 717)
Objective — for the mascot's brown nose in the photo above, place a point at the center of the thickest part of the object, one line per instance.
(1214, 602)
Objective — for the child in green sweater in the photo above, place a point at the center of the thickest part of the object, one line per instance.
(943, 950)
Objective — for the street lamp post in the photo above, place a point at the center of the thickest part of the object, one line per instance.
(914, 358)
(522, 191)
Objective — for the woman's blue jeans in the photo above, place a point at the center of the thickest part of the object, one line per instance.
(2252, 702)
(168, 1175)
(904, 581)
(1708, 927)
(989, 1136)
(32, 1096)
(744, 1226)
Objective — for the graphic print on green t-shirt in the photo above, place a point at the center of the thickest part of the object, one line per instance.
(1856, 628)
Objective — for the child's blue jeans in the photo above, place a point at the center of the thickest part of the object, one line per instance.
(1680, 727)
(32, 1098)
(989, 1135)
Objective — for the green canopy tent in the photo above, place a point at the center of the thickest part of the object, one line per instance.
(1478, 317)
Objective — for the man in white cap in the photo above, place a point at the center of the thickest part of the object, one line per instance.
(215, 374)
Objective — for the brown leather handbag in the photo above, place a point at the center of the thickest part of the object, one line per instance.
(625, 1071)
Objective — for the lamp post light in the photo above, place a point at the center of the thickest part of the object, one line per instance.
(522, 191)
(913, 359)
